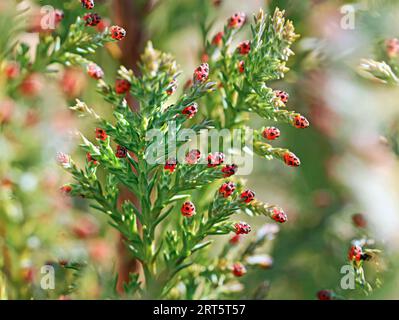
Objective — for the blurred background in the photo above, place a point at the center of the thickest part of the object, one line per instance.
(349, 157)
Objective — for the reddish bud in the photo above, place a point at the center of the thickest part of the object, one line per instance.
(282, 95)
(392, 47)
(100, 250)
(94, 71)
(188, 209)
(90, 159)
(101, 134)
(92, 19)
(359, 220)
(300, 122)
(63, 159)
(66, 189)
(31, 85)
(58, 16)
(247, 196)
(170, 165)
(325, 295)
(229, 170)
(227, 189)
(237, 20)
(278, 215)
(271, 133)
(204, 58)
(217, 40)
(172, 87)
(85, 228)
(355, 253)
(122, 86)
(215, 159)
(290, 159)
(28, 274)
(12, 70)
(241, 66)
(190, 111)
(239, 269)
(117, 33)
(102, 25)
(193, 156)
(242, 228)
(7, 108)
(235, 239)
(121, 152)
(201, 74)
(87, 4)
(244, 48)
(72, 82)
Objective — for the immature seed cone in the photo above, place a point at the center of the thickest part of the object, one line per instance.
(392, 47)
(188, 209)
(122, 86)
(92, 19)
(242, 228)
(359, 220)
(101, 134)
(241, 66)
(31, 85)
(325, 295)
(237, 20)
(244, 48)
(117, 33)
(94, 71)
(65, 189)
(63, 159)
(355, 253)
(201, 74)
(12, 70)
(193, 156)
(235, 239)
(300, 122)
(121, 152)
(172, 87)
(72, 82)
(229, 170)
(87, 4)
(279, 215)
(218, 39)
(271, 133)
(215, 159)
(282, 96)
(247, 196)
(227, 189)
(290, 159)
(239, 269)
(190, 111)
(170, 165)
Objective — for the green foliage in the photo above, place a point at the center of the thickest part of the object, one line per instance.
(144, 225)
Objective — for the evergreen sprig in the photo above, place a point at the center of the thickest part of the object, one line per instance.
(244, 72)
(158, 187)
